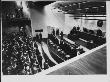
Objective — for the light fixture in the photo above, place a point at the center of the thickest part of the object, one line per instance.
(101, 6)
(86, 8)
(94, 7)
(79, 3)
(79, 9)
(84, 2)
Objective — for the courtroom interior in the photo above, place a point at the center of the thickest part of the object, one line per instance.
(39, 35)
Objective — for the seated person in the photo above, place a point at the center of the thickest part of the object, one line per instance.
(85, 30)
(74, 28)
(56, 41)
(78, 28)
(71, 32)
(99, 33)
(81, 50)
(91, 31)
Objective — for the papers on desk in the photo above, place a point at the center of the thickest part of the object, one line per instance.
(85, 49)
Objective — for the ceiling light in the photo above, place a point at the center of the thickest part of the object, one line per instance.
(86, 8)
(83, 2)
(79, 3)
(94, 7)
(79, 9)
(101, 6)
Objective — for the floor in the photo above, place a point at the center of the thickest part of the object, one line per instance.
(94, 63)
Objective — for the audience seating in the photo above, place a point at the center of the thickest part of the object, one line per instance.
(20, 53)
(65, 47)
(21, 56)
(99, 33)
(88, 35)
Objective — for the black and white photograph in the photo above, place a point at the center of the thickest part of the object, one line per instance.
(54, 37)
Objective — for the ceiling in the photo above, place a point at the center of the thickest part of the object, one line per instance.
(82, 8)
(39, 5)
(76, 7)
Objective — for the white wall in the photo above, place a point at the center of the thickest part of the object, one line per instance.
(89, 24)
(64, 22)
(50, 18)
(70, 22)
(38, 22)
(54, 18)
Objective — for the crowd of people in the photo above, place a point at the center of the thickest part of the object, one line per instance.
(70, 50)
(20, 54)
(75, 30)
(92, 38)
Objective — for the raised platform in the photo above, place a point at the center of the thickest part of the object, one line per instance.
(94, 63)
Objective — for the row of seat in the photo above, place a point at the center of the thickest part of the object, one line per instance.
(65, 47)
(90, 38)
(21, 56)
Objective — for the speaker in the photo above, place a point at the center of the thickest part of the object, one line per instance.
(99, 23)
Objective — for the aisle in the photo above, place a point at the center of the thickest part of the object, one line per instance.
(46, 50)
(41, 52)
